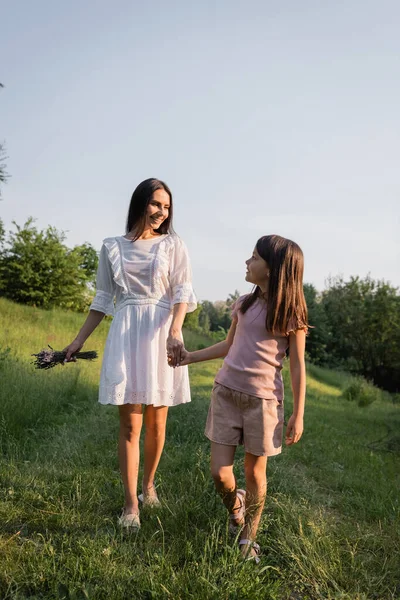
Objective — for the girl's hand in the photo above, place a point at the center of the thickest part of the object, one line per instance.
(294, 430)
(187, 358)
(174, 349)
(74, 347)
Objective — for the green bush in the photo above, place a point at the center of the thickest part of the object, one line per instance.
(219, 335)
(361, 391)
(37, 268)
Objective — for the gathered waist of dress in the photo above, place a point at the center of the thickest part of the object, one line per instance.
(143, 301)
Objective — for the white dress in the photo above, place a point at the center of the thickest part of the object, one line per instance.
(146, 278)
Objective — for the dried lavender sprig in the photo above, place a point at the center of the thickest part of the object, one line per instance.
(47, 359)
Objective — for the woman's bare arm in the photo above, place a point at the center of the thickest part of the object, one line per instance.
(93, 319)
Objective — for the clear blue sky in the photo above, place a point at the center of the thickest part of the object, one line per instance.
(263, 117)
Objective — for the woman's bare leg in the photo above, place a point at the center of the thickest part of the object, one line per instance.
(155, 419)
(130, 419)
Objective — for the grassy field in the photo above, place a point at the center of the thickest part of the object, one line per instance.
(330, 529)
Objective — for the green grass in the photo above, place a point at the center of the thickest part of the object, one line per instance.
(330, 528)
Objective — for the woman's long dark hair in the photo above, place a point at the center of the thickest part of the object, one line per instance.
(286, 304)
(141, 197)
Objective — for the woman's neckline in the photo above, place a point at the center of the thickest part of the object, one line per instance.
(151, 239)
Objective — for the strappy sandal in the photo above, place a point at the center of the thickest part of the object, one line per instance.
(236, 519)
(131, 521)
(252, 546)
(149, 501)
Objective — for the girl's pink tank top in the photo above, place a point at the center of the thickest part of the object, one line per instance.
(254, 362)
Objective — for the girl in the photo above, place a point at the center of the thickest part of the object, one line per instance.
(148, 271)
(247, 398)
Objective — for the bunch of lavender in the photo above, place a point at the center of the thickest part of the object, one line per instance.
(47, 359)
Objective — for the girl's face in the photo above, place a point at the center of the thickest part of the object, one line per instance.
(157, 209)
(257, 270)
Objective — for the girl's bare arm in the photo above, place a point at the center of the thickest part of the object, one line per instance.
(219, 350)
(297, 344)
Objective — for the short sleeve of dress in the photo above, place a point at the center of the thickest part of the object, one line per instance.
(181, 276)
(105, 285)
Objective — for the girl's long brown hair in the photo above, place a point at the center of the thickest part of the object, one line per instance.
(286, 305)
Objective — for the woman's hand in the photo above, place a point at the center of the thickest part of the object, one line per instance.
(73, 348)
(186, 358)
(174, 349)
(294, 430)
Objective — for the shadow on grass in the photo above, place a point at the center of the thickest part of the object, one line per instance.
(33, 404)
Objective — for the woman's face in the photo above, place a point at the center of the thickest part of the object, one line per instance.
(257, 270)
(157, 209)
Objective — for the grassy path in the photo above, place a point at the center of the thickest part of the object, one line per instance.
(330, 529)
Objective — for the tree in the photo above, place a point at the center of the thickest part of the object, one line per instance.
(2, 233)
(318, 332)
(232, 298)
(363, 318)
(204, 319)
(2, 240)
(192, 319)
(3, 173)
(208, 317)
(216, 316)
(88, 262)
(37, 268)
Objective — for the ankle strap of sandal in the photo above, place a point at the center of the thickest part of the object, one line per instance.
(253, 545)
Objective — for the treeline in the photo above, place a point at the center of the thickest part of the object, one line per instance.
(357, 328)
(355, 324)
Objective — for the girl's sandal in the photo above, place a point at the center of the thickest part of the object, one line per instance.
(131, 521)
(150, 501)
(252, 552)
(236, 520)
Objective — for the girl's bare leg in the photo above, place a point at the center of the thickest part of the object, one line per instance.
(130, 419)
(256, 490)
(155, 419)
(222, 458)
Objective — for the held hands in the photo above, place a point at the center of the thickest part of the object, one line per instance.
(174, 349)
(74, 347)
(177, 355)
(184, 360)
(294, 430)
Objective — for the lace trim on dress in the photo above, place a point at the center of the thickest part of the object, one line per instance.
(161, 263)
(118, 395)
(115, 255)
(184, 293)
(103, 302)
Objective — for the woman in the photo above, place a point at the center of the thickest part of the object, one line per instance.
(148, 272)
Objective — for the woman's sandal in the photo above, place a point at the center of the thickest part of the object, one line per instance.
(131, 521)
(252, 552)
(236, 519)
(150, 501)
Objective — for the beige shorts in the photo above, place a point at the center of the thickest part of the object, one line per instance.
(236, 418)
